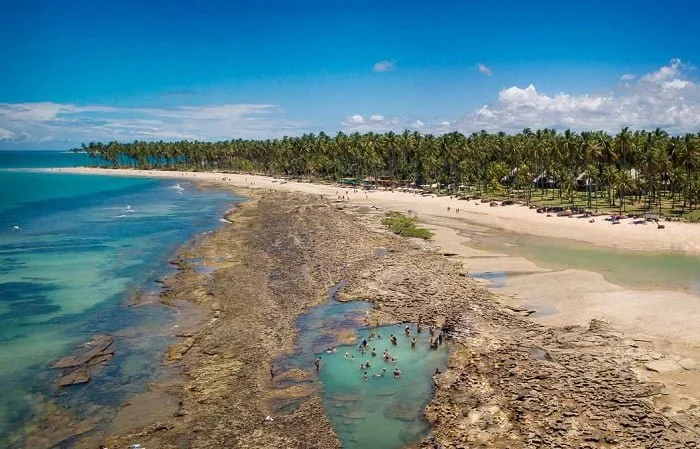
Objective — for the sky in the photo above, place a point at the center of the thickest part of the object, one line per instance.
(81, 71)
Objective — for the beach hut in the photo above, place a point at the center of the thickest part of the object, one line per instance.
(544, 181)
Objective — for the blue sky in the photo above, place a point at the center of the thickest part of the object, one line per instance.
(76, 71)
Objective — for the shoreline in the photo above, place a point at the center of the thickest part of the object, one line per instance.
(678, 237)
(358, 203)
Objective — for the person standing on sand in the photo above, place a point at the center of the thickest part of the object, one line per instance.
(272, 372)
(317, 362)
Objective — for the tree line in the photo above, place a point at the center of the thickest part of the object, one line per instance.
(649, 169)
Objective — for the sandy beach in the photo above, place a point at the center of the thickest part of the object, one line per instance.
(684, 237)
(652, 334)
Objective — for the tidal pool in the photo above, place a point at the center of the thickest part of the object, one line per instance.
(382, 412)
(625, 267)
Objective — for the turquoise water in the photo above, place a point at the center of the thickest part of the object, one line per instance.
(382, 412)
(73, 250)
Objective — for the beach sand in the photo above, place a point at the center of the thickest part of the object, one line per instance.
(652, 331)
(684, 237)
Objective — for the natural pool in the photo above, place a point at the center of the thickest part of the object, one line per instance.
(382, 412)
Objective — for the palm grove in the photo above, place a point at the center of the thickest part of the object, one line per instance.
(648, 171)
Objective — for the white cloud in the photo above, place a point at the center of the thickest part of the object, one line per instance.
(384, 66)
(354, 120)
(375, 123)
(483, 69)
(665, 72)
(663, 98)
(627, 77)
(6, 134)
(676, 84)
(61, 123)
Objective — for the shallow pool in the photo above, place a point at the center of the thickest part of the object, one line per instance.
(383, 411)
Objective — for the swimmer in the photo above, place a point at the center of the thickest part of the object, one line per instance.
(397, 372)
(380, 374)
(374, 352)
(407, 331)
(440, 338)
(364, 342)
(413, 342)
(317, 362)
(347, 355)
(379, 335)
(352, 356)
(364, 377)
(431, 329)
(394, 341)
(367, 363)
(437, 371)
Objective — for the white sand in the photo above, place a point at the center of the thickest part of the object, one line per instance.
(676, 237)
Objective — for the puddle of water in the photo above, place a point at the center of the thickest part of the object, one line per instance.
(625, 267)
(382, 411)
(541, 309)
(497, 279)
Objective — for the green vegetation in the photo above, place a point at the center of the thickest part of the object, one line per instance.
(640, 171)
(400, 224)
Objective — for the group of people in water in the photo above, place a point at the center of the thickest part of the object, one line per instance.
(365, 347)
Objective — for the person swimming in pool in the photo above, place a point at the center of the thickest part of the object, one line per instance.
(397, 372)
(407, 331)
(413, 342)
(374, 352)
(394, 341)
(380, 374)
(364, 377)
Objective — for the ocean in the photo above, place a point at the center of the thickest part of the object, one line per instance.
(74, 249)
